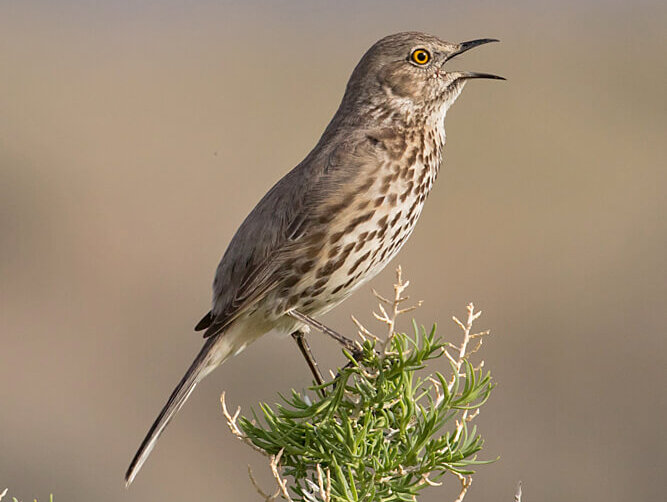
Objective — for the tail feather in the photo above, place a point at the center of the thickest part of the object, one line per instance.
(201, 366)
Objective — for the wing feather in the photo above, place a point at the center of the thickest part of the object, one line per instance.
(247, 271)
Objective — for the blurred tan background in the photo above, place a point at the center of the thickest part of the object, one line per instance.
(135, 136)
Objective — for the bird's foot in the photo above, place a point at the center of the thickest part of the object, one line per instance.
(304, 347)
(351, 346)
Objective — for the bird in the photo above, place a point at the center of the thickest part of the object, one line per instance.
(336, 220)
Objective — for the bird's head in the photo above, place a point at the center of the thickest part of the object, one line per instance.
(407, 73)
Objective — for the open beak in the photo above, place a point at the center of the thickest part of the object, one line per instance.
(466, 46)
(473, 74)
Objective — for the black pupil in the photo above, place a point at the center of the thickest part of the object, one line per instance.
(421, 56)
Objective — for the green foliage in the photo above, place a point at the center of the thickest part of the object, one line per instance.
(383, 429)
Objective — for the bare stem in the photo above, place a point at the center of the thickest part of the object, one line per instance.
(234, 428)
(394, 306)
(275, 469)
(463, 352)
(265, 496)
(466, 481)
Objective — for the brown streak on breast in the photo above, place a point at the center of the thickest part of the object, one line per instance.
(358, 262)
(358, 220)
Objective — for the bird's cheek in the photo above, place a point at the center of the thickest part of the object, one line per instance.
(401, 84)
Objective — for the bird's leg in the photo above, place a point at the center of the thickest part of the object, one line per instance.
(344, 341)
(302, 343)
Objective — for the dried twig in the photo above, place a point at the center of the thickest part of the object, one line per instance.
(394, 306)
(389, 313)
(325, 491)
(463, 351)
(457, 362)
(234, 428)
(429, 481)
(275, 464)
(362, 331)
(466, 481)
(265, 496)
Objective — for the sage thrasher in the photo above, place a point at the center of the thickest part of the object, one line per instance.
(334, 221)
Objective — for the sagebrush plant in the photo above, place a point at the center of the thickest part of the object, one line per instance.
(383, 428)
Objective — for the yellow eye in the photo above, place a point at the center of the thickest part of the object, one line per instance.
(420, 56)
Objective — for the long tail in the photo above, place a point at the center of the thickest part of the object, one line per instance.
(210, 356)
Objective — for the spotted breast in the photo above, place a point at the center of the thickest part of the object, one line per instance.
(365, 223)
